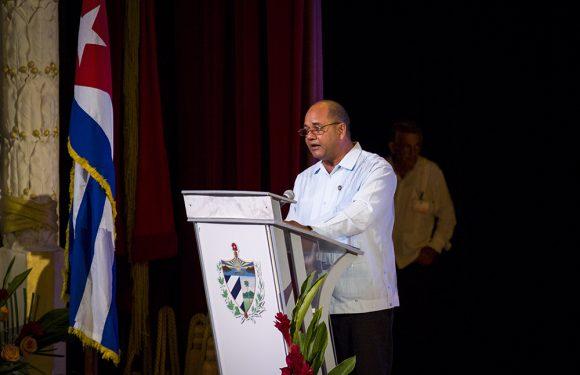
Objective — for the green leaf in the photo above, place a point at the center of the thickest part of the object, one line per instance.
(319, 341)
(345, 367)
(320, 344)
(306, 284)
(303, 289)
(13, 367)
(310, 332)
(17, 280)
(317, 362)
(300, 342)
(53, 316)
(298, 317)
(55, 326)
(7, 274)
(14, 284)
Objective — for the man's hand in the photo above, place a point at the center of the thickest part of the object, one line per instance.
(298, 225)
(427, 256)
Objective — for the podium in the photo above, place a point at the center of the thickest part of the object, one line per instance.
(253, 265)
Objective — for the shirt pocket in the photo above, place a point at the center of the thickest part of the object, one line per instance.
(422, 203)
(345, 194)
(421, 206)
(356, 282)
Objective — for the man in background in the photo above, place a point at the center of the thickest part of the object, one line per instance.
(424, 223)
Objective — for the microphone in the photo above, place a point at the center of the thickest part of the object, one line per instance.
(288, 194)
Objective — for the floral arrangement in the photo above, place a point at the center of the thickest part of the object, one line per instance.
(306, 349)
(22, 335)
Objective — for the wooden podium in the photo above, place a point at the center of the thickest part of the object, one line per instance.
(253, 265)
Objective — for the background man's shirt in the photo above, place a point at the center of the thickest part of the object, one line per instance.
(424, 212)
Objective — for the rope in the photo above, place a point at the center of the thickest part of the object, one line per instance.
(209, 366)
(196, 344)
(166, 336)
(131, 112)
(139, 335)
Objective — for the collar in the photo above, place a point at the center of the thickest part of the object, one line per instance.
(347, 162)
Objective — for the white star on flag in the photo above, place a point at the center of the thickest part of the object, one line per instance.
(86, 33)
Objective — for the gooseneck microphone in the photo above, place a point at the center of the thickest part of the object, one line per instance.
(289, 194)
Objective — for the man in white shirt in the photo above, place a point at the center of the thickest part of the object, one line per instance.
(348, 196)
(425, 217)
(424, 223)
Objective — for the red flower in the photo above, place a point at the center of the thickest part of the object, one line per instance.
(297, 365)
(3, 294)
(283, 324)
(33, 329)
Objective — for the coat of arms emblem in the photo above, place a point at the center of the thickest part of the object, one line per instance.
(242, 287)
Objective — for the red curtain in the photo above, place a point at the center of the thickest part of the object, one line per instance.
(154, 234)
(245, 73)
(236, 78)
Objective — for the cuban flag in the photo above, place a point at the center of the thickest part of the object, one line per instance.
(91, 233)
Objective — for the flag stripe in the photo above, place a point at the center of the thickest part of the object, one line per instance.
(80, 179)
(98, 105)
(110, 330)
(97, 295)
(82, 248)
(90, 142)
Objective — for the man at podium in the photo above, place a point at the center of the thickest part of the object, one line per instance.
(348, 196)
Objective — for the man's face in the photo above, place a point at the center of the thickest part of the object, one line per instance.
(322, 146)
(406, 149)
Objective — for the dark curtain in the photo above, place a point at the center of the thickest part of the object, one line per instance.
(237, 78)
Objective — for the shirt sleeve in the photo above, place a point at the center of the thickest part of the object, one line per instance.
(374, 198)
(444, 212)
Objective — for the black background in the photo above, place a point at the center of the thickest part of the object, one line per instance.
(495, 88)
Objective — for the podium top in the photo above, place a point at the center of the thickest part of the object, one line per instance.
(230, 204)
(245, 207)
(237, 193)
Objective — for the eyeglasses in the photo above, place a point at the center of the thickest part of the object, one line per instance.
(315, 129)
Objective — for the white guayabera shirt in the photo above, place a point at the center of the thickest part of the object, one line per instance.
(354, 205)
(424, 212)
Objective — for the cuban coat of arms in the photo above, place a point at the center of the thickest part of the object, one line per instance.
(241, 286)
